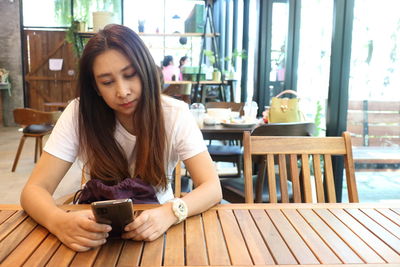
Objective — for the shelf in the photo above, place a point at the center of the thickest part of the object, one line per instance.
(144, 34)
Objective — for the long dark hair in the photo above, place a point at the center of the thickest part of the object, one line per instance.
(105, 158)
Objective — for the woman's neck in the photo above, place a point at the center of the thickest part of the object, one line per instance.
(127, 123)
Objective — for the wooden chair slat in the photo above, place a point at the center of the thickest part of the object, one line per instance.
(174, 246)
(261, 255)
(271, 179)
(305, 170)
(178, 177)
(216, 247)
(330, 185)
(283, 178)
(318, 178)
(288, 150)
(238, 252)
(248, 183)
(196, 252)
(350, 169)
(294, 170)
(295, 145)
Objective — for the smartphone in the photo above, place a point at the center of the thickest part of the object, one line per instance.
(116, 212)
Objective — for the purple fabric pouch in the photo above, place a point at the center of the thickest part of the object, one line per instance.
(136, 189)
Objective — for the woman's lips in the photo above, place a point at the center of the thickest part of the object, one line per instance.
(128, 105)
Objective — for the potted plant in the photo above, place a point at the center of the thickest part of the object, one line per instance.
(230, 73)
(216, 75)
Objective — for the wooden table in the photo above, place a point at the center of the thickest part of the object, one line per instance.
(226, 235)
(219, 132)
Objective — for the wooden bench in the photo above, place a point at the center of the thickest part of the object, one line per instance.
(375, 131)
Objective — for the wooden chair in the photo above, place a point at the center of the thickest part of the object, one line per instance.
(310, 150)
(227, 153)
(36, 124)
(233, 189)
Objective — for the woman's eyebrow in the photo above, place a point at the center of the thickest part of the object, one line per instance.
(109, 74)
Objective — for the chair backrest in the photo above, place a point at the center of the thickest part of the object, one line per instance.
(238, 107)
(310, 151)
(28, 116)
(285, 129)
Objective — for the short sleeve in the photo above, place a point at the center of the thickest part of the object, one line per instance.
(63, 141)
(188, 137)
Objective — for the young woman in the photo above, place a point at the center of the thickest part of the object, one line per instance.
(124, 132)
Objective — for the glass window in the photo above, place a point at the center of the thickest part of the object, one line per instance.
(83, 10)
(46, 13)
(314, 59)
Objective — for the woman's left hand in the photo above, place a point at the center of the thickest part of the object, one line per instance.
(151, 224)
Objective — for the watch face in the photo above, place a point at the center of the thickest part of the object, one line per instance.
(181, 207)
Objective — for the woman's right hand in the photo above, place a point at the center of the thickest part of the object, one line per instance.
(79, 231)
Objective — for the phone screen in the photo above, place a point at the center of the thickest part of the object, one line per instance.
(116, 212)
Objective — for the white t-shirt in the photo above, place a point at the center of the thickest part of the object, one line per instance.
(184, 139)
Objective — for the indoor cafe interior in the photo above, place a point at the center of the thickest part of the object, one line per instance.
(323, 67)
(200, 133)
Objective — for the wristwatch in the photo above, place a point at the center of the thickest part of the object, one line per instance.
(179, 208)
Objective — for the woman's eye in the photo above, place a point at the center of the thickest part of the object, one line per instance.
(130, 75)
(106, 83)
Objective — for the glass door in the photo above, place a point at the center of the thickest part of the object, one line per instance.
(374, 98)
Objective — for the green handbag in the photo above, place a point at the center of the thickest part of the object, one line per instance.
(284, 109)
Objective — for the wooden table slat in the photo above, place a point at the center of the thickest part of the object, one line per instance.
(383, 221)
(376, 228)
(62, 257)
(279, 250)
(130, 254)
(11, 241)
(217, 251)
(12, 222)
(397, 210)
(226, 235)
(356, 243)
(152, 252)
(44, 252)
(324, 254)
(391, 215)
(236, 245)
(258, 249)
(339, 247)
(196, 251)
(374, 242)
(109, 253)
(86, 258)
(5, 214)
(295, 243)
(26, 247)
(174, 246)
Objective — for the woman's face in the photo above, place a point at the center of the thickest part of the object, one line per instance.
(118, 82)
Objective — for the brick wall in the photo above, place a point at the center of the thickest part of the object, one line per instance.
(11, 58)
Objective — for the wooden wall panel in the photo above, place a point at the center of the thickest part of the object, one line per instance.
(42, 84)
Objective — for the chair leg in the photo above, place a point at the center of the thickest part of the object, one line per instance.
(36, 148)
(21, 144)
(40, 145)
